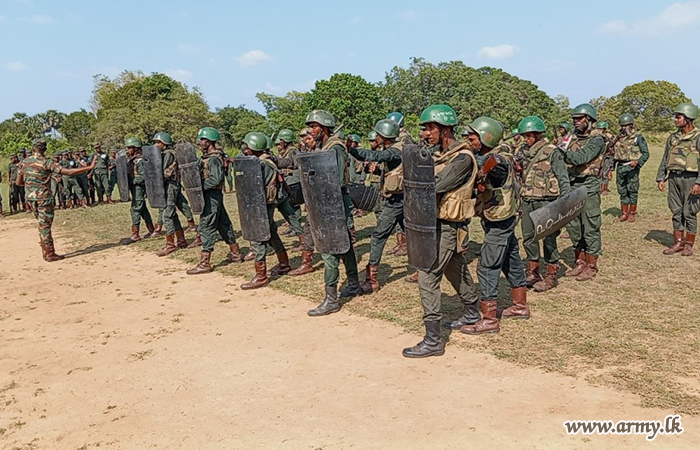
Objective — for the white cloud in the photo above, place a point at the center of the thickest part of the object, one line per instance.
(188, 49)
(504, 51)
(408, 15)
(41, 19)
(15, 66)
(272, 89)
(677, 17)
(252, 58)
(179, 74)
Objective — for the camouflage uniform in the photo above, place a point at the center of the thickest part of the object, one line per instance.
(37, 172)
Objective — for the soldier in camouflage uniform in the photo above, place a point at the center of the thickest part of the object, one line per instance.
(630, 152)
(680, 166)
(71, 187)
(12, 172)
(36, 173)
(563, 139)
(292, 214)
(608, 162)
(584, 159)
(214, 219)
(137, 186)
(100, 176)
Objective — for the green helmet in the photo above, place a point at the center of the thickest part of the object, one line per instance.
(688, 110)
(626, 119)
(441, 114)
(396, 117)
(585, 109)
(285, 135)
(256, 141)
(321, 117)
(531, 124)
(164, 138)
(268, 143)
(602, 124)
(387, 128)
(208, 133)
(490, 131)
(565, 126)
(372, 135)
(133, 142)
(354, 137)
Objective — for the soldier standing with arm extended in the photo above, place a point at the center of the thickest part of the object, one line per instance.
(680, 165)
(630, 152)
(137, 185)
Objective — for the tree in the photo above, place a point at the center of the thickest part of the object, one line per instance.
(78, 127)
(285, 112)
(237, 121)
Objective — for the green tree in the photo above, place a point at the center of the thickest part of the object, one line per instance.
(78, 127)
(236, 121)
(285, 112)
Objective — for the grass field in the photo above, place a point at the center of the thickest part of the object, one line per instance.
(636, 327)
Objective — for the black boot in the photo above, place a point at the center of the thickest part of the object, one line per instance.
(353, 289)
(431, 345)
(329, 305)
(470, 317)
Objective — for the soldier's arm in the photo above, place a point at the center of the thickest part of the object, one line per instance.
(560, 171)
(64, 171)
(454, 175)
(661, 173)
(139, 179)
(342, 157)
(285, 163)
(168, 160)
(642, 143)
(390, 154)
(216, 173)
(588, 153)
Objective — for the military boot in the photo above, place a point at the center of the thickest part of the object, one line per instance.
(180, 240)
(51, 255)
(396, 247)
(109, 199)
(135, 234)
(688, 247)
(489, 322)
(234, 255)
(260, 279)
(633, 214)
(625, 213)
(402, 250)
(306, 264)
(169, 246)
(579, 266)
(196, 243)
(329, 305)
(100, 199)
(413, 278)
(532, 275)
(470, 317)
(282, 268)
(371, 284)
(191, 227)
(301, 244)
(679, 239)
(157, 231)
(151, 230)
(519, 309)
(550, 280)
(591, 268)
(204, 266)
(83, 203)
(353, 289)
(431, 345)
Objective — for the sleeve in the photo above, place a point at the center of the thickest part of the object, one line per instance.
(454, 175)
(661, 173)
(216, 173)
(342, 157)
(588, 153)
(285, 163)
(642, 144)
(560, 171)
(138, 179)
(168, 160)
(388, 155)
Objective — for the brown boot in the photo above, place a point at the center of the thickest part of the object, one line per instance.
(196, 243)
(51, 255)
(283, 267)
(260, 279)
(688, 247)
(532, 275)
(203, 266)
(151, 229)
(234, 255)
(591, 268)
(402, 250)
(305, 266)
(301, 244)
(633, 213)
(397, 246)
(157, 231)
(83, 203)
(412, 278)
(625, 213)
(180, 240)
(191, 227)
(488, 323)
(579, 266)
(135, 233)
(250, 255)
(550, 280)
(371, 284)
(519, 309)
(678, 238)
(169, 246)
(109, 199)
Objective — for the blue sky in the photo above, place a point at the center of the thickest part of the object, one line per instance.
(49, 50)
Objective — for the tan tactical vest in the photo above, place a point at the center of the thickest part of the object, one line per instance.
(458, 204)
(205, 167)
(332, 141)
(683, 151)
(272, 188)
(497, 204)
(592, 168)
(539, 180)
(171, 172)
(392, 181)
(626, 148)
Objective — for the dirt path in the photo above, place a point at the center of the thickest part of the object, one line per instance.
(120, 349)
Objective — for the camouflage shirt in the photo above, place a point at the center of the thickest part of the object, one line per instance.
(13, 169)
(37, 172)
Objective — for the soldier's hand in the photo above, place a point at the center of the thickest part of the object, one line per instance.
(695, 190)
(610, 175)
(634, 164)
(661, 185)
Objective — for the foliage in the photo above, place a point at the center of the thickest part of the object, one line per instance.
(78, 128)
(236, 121)
(285, 112)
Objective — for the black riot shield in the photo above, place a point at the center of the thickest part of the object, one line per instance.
(250, 193)
(419, 207)
(558, 213)
(188, 166)
(122, 175)
(153, 176)
(296, 195)
(364, 198)
(320, 181)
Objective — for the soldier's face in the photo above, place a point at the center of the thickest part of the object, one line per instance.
(160, 145)
(308, 140)
(562, 131)
(530, 138)
(581, 123)
(474, 140)
(432, 131)
(204, 143)
(679, 120)
(280, 145)
(315, 129)
(373, 144)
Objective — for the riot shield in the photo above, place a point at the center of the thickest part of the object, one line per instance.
(419, 207)
(558, 213)
(320, 182)
(153, 176)
(364, 198)
(296, 195)
(250, 193)
(187, 164)
(122, 176)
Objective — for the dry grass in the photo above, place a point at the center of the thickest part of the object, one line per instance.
(636, 327)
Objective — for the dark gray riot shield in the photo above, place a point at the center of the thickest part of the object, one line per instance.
(122, 175)
(363, 197)
(250, 193)
(419, 207)
(153, 176)
(320, 182)
(558, 213)
(188, 166)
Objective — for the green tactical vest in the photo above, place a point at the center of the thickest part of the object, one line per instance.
(539, 180)
(627, 148)
(205, 167)
(332, 141)
(592, 168)
(497, 204)
(683, 151)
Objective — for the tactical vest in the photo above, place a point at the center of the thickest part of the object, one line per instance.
(592, 168)
(458, 204)
(392, 181)
(288, 153)
(272, 188)
(627, 149)
(683, 151)
(332, 141)
(171, 173)
(498, 203)
(539, 180)
(205, 167)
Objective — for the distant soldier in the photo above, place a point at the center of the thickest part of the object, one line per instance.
(306, 140)
(100, 176)
(137, 186)
(71, 187)
(291, 214)
(57, 185)
(630, 152)
(228, 166)
(356, 167)
(12, 172)
(374, 170)
(20, 186)
(112, 174)
(85, 180)
(564, 137)
(680, 166)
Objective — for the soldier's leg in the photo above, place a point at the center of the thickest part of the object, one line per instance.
(429, 282)
(143, 208)
(532, 247)
(633, 186)
(184, 207)
(575, 229)
(331, 272)
(168, 215)
(308, 238)
(135, 208)
(691, 204)
(675, 202)
(223, 222)
(551, 251)
(457, 273)
(513, 265)
(391, 214)
(287, 211)
(621, 185)
(208, 226)
(591, 219)
(76, 189)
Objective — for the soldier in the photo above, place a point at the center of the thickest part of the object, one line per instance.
(455, 169)
(112, 166)
(36, 172)
(137, 186)
(374, 172)
(12, 172)
(357, 174)
(57, 184)
(71, 187)
(680, 166)
(630, 152)
(214, 218)
(20, 186)
(306, 140)
(544, 179)
(292, 214)
(563, 139)
(584, 158)
(404, 136)
(608, 165)
(84, 180)
(227, 171)
(100, 176)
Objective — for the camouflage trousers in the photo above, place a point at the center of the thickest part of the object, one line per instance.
(174, 201)
(43, 211)
(627, 183)
(684, 206)
(214, 219)
(138, 206)
(101, 181)
(260, 248)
